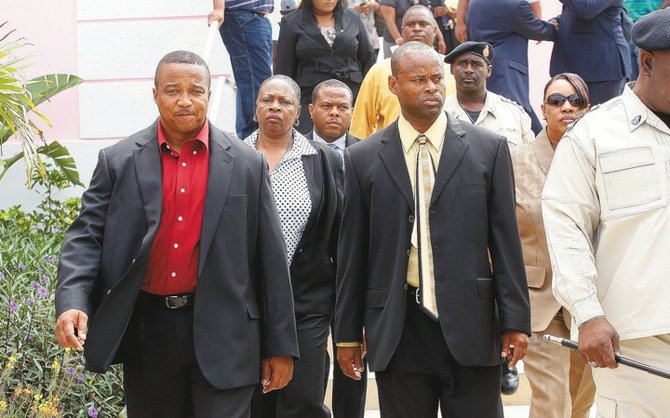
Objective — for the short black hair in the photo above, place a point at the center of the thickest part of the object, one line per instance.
(288, 80)
(332, 84)
(183, 57)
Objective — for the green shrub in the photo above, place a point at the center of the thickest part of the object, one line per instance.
(37, 377)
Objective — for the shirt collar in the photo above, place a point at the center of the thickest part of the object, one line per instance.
(202, 136)
(340, 142)
(435, 133)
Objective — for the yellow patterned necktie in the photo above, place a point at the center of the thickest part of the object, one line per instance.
(425, 179)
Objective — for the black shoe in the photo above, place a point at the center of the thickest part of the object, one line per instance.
(510, 379)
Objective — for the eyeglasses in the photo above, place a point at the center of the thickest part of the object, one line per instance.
(557, 100)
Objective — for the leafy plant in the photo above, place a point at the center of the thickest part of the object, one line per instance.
(37, 377)
(18, 98)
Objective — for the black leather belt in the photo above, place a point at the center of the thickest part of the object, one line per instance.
(166, 301)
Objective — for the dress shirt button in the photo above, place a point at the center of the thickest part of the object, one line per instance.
(183, 164)
(180, 218)
(176, 245)
(173, 274)
(182, 190)
(411, 218)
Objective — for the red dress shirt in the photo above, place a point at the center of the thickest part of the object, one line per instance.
(173, 262)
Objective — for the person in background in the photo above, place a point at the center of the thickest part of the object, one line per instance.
(470, 64)
(247, 35)
(366, 10)
(636, 9)
(591, 42)
(331, 112)
(378, 107)
(320, 41)
(508, 30)
(551, 369)
(306, 178)
(393, 11)
(461, 28)
(430, 243)
(607, 222)
(173, 258)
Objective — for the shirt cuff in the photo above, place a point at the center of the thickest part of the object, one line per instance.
(585, 310)
(348, 344)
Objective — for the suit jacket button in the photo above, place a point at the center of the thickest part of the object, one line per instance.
(411, 218)
(405, 286)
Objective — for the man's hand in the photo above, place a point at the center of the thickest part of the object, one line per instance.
(277, 372)
(598, 342)
(350, 361)
(67, 323)
(514, 346)
(441, 46)
(461, 31)
(216, 14)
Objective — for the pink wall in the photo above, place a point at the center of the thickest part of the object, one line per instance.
(51, 26)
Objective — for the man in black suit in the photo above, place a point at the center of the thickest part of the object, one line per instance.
(178, 260)
(439, 285)
(331, 111)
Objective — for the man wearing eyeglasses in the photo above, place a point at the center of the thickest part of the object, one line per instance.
(607, 221)
(473, 103)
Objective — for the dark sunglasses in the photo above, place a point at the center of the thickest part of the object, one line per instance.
(557, 100)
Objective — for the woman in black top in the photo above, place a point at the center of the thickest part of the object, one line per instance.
(319, 41)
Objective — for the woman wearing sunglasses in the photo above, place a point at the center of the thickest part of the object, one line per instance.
(552, 373)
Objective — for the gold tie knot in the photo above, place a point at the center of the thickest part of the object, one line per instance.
(422, 139)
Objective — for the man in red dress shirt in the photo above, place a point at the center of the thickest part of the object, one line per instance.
(170, 265)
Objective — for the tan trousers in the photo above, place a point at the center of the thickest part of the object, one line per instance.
(630, 393)
(561, 384)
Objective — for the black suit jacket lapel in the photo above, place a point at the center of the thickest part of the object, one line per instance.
(313, 173)
(221, 163)
(453, 150)
(393, 158)
(149, 172)
(314, 32)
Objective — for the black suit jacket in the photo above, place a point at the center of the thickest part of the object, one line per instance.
(305, 56)
(314, 260)
(243, 304)
(471, 216)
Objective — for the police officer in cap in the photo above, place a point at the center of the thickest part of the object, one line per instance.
(607, 221)
(471, 66)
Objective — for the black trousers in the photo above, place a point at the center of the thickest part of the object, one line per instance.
(304, 395)
(423, 374)
(162, 378)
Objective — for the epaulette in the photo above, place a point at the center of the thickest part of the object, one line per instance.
(510, 101)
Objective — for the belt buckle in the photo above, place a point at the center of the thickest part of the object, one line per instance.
(178, 302)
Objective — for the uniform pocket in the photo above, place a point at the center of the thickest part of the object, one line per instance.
(629, 178)
(535, 276)
(607, 408)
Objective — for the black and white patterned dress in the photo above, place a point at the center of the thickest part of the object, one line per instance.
(289, 186)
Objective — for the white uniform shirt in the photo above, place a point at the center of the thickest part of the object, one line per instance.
(607, 221)
(499, 114)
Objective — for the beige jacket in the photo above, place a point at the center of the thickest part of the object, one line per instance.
(531, 164)
(606, 216)
(499, 114)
